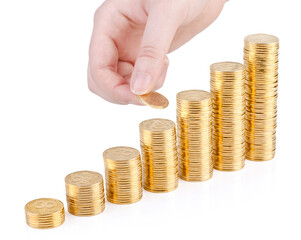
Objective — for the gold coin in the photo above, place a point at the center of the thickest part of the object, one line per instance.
(157, 125)
(44, 213)
(123, 175)
(159, 155)
(261, 38)
(228, 109)
(121, 153)
(85, 193)
(261, 61)
(44, 206)
(83, 178)
(194, 135)
(226, 67)
(193, 95)
(154, 100)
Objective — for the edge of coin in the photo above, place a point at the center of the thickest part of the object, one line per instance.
(154, 100)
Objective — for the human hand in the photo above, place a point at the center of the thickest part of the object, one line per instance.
(131, 38)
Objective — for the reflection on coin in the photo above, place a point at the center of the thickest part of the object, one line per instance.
(44, 206)
(121, 153)
(154, 100)
(83, 178)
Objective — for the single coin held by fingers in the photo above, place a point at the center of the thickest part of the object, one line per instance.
(154, 100)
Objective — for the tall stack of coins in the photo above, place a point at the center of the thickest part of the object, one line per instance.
(45, 213)
(159, 155)
(123, 175)
(194, 135)
(85, 193)
(261, 60)
(228, 109)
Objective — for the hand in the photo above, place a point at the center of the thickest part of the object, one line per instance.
(131, 38)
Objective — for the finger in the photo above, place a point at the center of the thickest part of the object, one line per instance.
(116, 93)
(162, 77)
(124, 68)
(104, 80)
(162, 23)
(210, 12)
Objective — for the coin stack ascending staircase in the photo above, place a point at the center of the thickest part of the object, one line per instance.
(261, 60)
(123, 175)
(85, 193)
(159, 155)
(228, 108)
(194, 135)
(45, 213)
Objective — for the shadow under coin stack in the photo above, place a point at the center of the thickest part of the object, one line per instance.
(123, 175)
(85, 193)
(159, 155)
(194, 135)
(228, 108)
(261, 60)
(44, 213)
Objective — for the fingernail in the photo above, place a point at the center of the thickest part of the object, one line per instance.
(141, 82)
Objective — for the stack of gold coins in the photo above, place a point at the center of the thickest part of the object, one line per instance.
(228, 109)
(261, 60)
(45, 213)
(85, 193)
(123, 175)
(194, 135)
(159, 154)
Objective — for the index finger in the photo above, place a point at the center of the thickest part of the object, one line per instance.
(103, 75)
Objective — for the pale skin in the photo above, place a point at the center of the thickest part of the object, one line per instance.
(131, 40)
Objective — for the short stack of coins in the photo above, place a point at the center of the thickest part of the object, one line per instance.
(44, 213)
(123, 175)
(159, 155)
(85, 193)
(261, 60)
(194, 135)
(228, 109)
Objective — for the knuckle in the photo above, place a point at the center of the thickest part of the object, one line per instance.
(167, 3)
(174, 8)
(107, 9)
(97, 13)
(151, 53)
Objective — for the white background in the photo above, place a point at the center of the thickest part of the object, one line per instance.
(51, 125)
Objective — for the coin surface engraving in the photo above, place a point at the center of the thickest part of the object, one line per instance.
(83, 178)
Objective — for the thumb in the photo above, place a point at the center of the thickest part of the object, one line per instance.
(162, 24)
